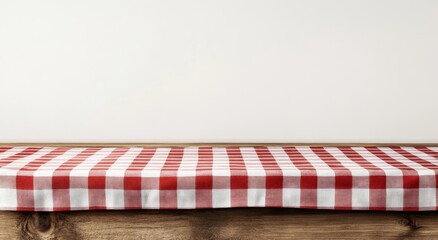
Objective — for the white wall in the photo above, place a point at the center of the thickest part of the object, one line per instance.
(219, 71)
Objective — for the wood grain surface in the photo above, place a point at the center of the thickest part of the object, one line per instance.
(248, 223)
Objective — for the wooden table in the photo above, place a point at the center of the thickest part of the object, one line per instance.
(248, 223)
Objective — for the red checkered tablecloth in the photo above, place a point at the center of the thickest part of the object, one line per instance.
(354, 178)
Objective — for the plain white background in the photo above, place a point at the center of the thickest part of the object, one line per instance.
(219, 71)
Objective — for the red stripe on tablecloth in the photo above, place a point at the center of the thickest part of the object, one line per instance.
(204, 178)
(238, 178)
(4, 149)
(132, 184)
(273, 179)
(428, 151)
(169, 179)
(308, 180)
(21, 154)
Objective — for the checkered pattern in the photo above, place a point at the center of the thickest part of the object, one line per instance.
(348, 178)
